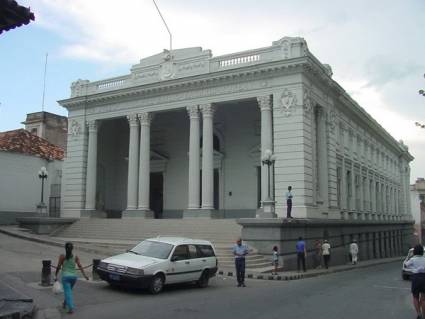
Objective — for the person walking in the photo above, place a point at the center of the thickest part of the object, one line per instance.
(301, 253)
(317, 254)
(289, 197)
(417, 265)
(354, 251)
(67, 264)
(275, 259)
(326, 253)
(240, 251)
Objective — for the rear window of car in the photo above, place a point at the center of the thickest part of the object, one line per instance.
(205, 251)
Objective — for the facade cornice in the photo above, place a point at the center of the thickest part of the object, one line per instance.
(189, 83)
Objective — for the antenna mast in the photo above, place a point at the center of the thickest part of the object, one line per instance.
(44, 84)
(171, 37)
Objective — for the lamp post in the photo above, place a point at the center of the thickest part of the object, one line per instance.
(42, 174)
(268, 204)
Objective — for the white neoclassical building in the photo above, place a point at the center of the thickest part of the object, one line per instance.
(183, 135)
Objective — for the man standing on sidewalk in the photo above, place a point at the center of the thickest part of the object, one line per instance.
(301, 253)
(326, 252)
(240, 251)
(354, 251)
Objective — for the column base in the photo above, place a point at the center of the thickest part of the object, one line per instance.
(138, 213)
(92, 213)
(268, 209)
(202, 213)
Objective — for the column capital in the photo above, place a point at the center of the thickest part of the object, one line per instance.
(264, 102)
(92, 125)
(207, 109)
(145, 118)
(133, 119)
(193, 111)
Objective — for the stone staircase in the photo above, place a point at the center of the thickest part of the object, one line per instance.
(121, 234)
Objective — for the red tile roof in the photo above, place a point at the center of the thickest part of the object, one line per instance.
(22, 141)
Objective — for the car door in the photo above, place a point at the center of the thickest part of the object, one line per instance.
(179, 270)
(196, 263)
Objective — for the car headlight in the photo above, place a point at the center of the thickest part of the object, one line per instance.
(103, 265)
(134, 271)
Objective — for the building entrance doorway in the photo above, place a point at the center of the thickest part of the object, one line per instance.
(157, 193)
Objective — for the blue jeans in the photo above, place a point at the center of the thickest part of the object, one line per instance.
(68, 282)
(240, 270)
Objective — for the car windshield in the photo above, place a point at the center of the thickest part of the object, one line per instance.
(152, 249)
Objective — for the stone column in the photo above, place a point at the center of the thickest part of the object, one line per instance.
(133, 163)
(265, 105)
(194, 169)
(91, 166)
(144, 162)
(207, 157)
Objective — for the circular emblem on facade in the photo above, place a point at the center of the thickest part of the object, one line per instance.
(167, 70)
(288, 100)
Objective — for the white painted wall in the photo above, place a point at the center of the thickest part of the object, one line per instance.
(20, 186)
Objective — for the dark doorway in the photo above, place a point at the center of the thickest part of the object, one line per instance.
(157, 194)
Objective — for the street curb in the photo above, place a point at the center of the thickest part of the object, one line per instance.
(262, 276)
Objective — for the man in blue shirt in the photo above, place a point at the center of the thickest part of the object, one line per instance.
(240, 251)
(301, 253)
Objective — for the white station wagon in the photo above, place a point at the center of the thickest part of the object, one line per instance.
(163, 260)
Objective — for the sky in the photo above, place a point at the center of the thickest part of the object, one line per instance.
(376, 49)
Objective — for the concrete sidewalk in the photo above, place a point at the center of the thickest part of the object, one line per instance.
(111, 247)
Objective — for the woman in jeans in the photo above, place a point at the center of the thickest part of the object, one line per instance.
(67, 263)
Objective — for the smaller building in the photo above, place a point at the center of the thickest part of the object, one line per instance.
(417, 198)
(22, 155)
(51, 127)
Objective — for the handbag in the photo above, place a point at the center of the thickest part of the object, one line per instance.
(57, 287)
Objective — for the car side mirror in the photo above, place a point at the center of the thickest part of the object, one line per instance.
(174, 258)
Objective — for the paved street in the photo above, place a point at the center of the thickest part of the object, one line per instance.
(377, 291)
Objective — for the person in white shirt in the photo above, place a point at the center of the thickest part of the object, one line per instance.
(417, 265)
(326, 253)
(354, 251)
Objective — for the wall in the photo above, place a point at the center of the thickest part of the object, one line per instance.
(375, 239)
(20, 186)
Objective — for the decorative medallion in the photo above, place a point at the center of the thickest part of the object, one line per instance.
(287, 101)
(75, 129)
(167, 70)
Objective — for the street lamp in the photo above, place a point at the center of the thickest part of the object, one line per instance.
(42, 174)
(268, 204)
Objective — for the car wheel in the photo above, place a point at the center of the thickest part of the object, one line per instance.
(156, 284)
(405, 277)
(204, 279)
